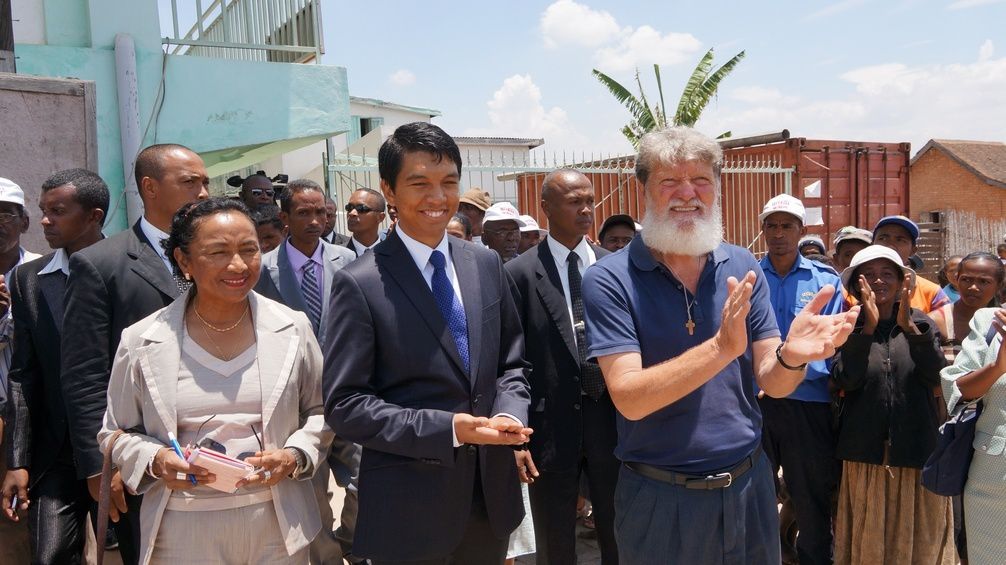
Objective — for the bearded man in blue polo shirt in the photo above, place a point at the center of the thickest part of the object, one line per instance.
(797, 431)
(684, 332)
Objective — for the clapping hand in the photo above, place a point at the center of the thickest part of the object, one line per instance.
(732, 337)
(905, 308)
(813, 336)
(868, 299)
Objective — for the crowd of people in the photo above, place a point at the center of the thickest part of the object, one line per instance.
(469, 378)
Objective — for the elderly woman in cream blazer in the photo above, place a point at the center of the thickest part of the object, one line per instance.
(254, 389)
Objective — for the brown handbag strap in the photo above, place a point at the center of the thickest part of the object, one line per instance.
(104, 497)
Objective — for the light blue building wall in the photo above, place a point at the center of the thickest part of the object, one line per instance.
(233, 112)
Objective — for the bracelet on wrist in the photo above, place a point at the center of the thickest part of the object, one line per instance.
(785, 365)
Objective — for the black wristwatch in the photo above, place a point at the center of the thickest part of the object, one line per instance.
(778, 357)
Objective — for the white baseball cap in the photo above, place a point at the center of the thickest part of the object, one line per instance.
(530, 224)
(11, 192)
(502, 211)
(786, 204)
(870, 253)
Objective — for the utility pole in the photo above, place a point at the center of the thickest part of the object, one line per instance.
(6, 38)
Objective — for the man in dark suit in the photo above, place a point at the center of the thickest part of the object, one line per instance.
(571, 412)
(112, 285)
(364, 214)
(298, 273)
(73, 203)
(424, 368)
(330, 235)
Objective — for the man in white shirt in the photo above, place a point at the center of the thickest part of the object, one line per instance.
(364, 215)
(112, 285)
(424, 369)
(73, 203)
(571, 411)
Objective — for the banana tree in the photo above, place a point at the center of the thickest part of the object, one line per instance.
(698, 91)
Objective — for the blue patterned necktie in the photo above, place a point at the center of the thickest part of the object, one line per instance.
(450, 306)
(312, 294)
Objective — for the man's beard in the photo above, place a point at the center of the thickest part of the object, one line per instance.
(663, 231)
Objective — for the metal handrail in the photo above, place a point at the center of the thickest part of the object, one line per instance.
(258, 29)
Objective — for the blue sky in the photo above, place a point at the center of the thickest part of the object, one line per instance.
(870, 70)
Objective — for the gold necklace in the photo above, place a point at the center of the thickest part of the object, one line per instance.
(222, 330)
(220, 352)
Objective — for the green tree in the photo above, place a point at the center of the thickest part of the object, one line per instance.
(699, 90)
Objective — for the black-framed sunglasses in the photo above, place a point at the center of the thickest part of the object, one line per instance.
(207, 443)
(259, 191)
(360, 208)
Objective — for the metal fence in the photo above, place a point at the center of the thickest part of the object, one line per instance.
(517, 178)
(287, 31)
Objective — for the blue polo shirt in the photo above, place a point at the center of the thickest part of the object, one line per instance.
(633, 303)
(789, 294)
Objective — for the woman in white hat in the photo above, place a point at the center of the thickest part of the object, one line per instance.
(888, 427)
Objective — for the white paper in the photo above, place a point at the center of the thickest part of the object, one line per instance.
(812, 190)
(815, 216)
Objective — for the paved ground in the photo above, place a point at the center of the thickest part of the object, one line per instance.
(586, 545)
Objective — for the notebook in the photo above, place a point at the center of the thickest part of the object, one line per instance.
(227, 469)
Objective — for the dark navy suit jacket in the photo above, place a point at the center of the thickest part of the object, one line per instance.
(393, 381)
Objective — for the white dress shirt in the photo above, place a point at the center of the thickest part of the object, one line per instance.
(156, 237)
(60, 262)
(361, 248)
(421, 253)
(560, 253)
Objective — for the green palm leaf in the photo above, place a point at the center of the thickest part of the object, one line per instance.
(685, 104)
(704, 93)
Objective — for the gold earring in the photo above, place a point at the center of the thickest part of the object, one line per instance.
(188, 277)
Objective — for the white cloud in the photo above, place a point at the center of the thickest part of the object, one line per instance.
(566, 22)
(402, 77)
(616, 48)
(516, 110)
(965, 4)
(891, 102)
(646, 46)
(986, 51)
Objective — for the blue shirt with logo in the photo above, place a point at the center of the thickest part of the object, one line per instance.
(633, 303)
(789, 294)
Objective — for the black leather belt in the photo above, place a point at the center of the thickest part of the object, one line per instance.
(709, 482)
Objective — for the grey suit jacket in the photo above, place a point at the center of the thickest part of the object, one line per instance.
(279, 282)
(141, 395)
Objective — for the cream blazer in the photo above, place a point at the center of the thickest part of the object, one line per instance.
(141, 396)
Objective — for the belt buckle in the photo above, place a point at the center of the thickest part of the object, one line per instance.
(706, 483)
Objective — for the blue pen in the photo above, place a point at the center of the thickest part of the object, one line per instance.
(178, 450)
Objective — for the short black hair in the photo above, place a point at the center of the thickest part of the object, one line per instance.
(382, 204)
(90, 191)
(410, 138)
(188, 218)
(148, 162)
(1001, 247)
(464, 221)
(268, 216)
(986, 256)
(296, 187)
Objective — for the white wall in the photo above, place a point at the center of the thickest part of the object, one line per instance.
(29, 21)
(498, 158)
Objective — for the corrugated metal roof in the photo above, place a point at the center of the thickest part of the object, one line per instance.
(394, 106)
(985, 159)
(528, 142)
